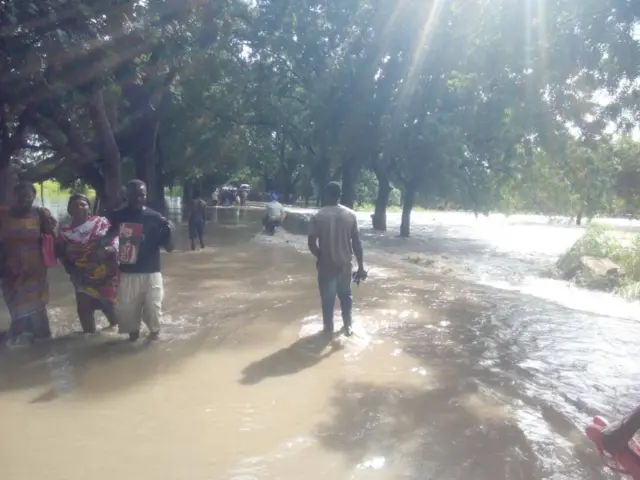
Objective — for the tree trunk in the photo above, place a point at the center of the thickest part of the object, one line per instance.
(112, 164)
(100, 202)
(146, 164)
(161, 201)
(349, 179)
(579, 218)
(187, 193)
(407, 206)
(379, 217)
(7, 181)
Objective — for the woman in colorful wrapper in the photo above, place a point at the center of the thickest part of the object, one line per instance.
(93, 270)
(23, 272)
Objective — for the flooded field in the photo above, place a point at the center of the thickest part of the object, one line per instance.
(446, 377)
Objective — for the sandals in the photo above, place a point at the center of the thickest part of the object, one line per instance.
(626, 462)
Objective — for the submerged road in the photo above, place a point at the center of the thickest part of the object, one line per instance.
(443, 379)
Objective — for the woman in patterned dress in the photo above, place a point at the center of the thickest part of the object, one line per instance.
(93, 270)
(23, 273)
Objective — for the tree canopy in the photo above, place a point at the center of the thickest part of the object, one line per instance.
(483, 105)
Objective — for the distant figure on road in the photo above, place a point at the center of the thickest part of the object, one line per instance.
(274, 215)
(142, 232)
(197, 219)
(333, 238)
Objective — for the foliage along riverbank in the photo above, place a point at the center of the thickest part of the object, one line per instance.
(603, 259)
(493, 109)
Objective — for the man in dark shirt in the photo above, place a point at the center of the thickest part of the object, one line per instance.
(197, 219)
(142, 232)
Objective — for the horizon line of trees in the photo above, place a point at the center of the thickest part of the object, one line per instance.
(481, 104)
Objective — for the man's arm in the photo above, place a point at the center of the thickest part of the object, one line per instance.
(312, 238)
(356, 244)
(114, 224)
(166, 234)
(113, 218)
(617, 435)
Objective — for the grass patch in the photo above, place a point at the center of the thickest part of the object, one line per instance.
(52, 192)
(601, 242)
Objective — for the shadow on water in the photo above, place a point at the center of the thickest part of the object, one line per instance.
(302, 354)
(478, 411)
(432, 430)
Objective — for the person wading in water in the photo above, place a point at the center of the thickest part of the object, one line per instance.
(333, 239)
(93, 274)
(273, 215)
(142, 232)
(23, 273)
(197, 219)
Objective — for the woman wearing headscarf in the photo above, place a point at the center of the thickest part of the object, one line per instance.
(23, 272)
(93, 270)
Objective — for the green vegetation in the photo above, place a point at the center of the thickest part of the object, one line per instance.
(602, 242)
(52, 191)
(472, 104)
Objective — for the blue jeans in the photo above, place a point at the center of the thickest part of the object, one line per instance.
(330, 286)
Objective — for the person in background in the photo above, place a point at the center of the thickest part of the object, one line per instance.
(142, 233)
(23, 273)
(197, 219)
(274, 214)
(243, 196)
(93, 271)
(333, 239)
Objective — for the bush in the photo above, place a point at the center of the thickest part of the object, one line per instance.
(600, 241)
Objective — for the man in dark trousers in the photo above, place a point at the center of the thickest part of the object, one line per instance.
(197, 219)
(333, 238)
(142, 232)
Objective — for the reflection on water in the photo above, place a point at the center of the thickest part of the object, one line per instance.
(444, 378)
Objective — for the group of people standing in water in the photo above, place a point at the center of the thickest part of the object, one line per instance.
(113, 262)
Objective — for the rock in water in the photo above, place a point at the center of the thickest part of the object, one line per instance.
(599, 273)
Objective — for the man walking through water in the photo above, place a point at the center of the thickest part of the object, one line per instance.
(140, 291)
(333, 239)
(274, 215)
(197, 218)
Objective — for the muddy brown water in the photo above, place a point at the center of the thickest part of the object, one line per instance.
(442, 380)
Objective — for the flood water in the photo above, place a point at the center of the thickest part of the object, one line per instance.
(482, 373)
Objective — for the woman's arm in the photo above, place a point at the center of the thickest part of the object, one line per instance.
(48, 222)
(61, 254)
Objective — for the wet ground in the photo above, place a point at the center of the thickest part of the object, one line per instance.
(444, 378)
